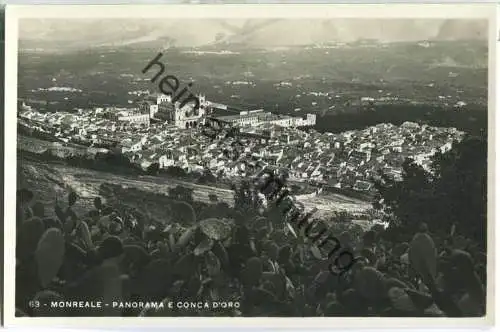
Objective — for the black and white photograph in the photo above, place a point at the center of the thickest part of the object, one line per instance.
(249, 164)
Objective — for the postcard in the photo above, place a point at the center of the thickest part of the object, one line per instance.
(243, 163)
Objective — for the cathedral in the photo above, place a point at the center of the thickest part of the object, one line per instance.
(184, 115)
(161, 107)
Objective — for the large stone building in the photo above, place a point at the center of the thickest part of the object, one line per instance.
(136, 116)
(309, 121)
(161, 107)
(259, 117)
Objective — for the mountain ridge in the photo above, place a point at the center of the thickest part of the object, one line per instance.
(255, 32)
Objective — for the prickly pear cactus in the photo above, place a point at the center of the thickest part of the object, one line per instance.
(102, 283)
(185, 212)
(185, 266)
(221, 253)
(52, 223)
(49, 255)
(212, 263)
(38, 210)
(216, 229)
(203, 247)
(186, 237)
(29, 234)
(400, 249)
(136, 254)
(316, 252)
(111, 247)
(273, 251)
(370, 283)
(423, 256)
(154, 280)
(421, 300)
(400, 300)
(84, 235)
(24, 196)
(252, 272)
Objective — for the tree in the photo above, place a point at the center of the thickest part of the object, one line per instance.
(175, 171)
(405, 198)
(453, 193)
(207, 177)
(245, 197)
(181, 194)
(341, 217)
(462, 186)
(212, 198)
(295, 188)
(153, 169)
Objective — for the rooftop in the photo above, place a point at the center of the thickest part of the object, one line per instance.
(262, 116)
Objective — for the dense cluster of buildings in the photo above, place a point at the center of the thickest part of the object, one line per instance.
(159, 132)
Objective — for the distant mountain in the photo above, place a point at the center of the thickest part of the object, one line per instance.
(454, 29)
(74, 34)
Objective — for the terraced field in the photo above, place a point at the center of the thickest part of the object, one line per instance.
(52, 181)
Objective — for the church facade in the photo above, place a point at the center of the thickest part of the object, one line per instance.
(162, 108)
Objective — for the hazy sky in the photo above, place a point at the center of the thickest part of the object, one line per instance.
(190, 32)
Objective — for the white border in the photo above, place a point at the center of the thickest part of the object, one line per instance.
(14, 12)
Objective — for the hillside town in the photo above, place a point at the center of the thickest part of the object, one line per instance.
(157, 133)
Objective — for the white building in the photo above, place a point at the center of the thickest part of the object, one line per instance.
(259, 117)
(138, 118)
(161, 107)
